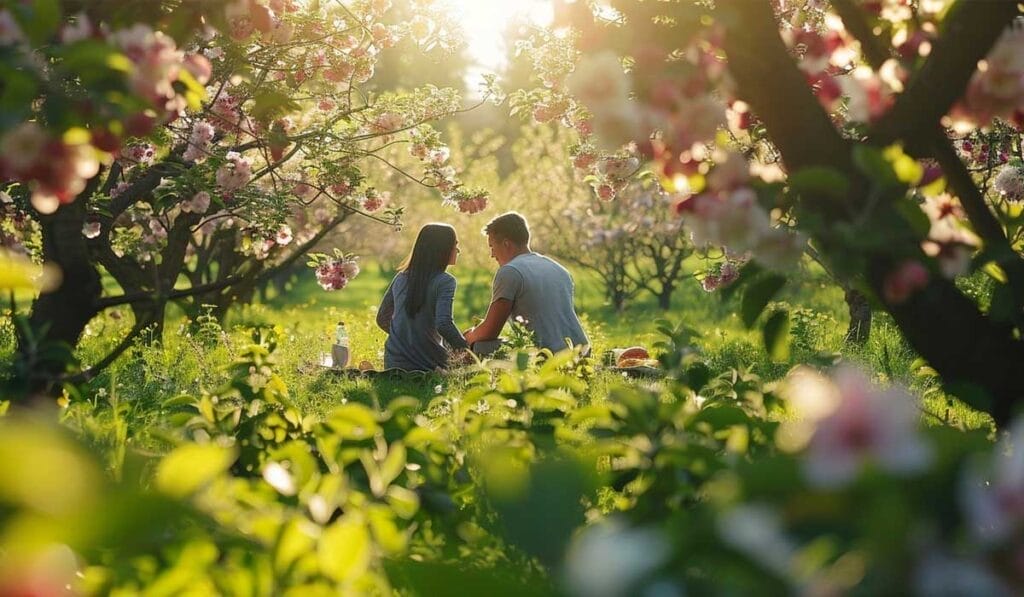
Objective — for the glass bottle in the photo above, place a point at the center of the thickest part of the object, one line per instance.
(340, 352)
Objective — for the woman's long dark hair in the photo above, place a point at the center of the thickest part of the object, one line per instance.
(430, 254)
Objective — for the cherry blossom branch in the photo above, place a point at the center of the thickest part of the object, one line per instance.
(151, 297)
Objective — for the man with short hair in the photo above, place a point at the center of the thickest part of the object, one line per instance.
(528, 285)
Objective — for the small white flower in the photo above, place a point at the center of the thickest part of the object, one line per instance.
(279, 478)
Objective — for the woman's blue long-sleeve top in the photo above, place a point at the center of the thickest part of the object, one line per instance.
(415, 343)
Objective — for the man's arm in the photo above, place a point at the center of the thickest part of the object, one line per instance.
(490, 328)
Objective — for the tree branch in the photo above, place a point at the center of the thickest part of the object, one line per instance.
(969, 31)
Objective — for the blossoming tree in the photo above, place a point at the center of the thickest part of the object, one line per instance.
(192, 149)
(783, 126)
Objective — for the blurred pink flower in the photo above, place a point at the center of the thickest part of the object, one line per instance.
(903, 281)
(993, 495)
(857, 423)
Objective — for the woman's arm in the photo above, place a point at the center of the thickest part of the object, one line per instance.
(444, 321)
(386, 310)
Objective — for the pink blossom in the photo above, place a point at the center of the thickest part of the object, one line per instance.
(199, 141)
(993, 496)
(335, 274)
(261, 248)
(439, 156)
(157, 63)
(10, 33)
(91, 229)
(341, 188)
(383, 36)
(854, 423)
(303, 190)
(387, 122)
(997, 89)
(472, 205)
(584, 161)
(284, 235)
(374, 201)
(418, 150)
(198, 204)
(142, 154)
(282, 32)
(729, 173)
(235, 173)
(239, 19)
(81, 29)
(618, 168)
(118, 189)
(226, 107)
(903, 281)
(605, 192)
(339, 73)
(22, 147)
(199, 67)
(350, 268)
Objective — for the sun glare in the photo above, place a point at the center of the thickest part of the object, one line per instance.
(485, 23)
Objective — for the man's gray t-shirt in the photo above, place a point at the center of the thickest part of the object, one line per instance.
(541, 292)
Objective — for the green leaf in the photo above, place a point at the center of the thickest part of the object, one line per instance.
(191, 466)
(353, 421)
(293, 542)
(404, 502)
(906, 168)
(757, 295)
(1003, 306)
(344, 549)
(272, 104)
(820, 181)
(776, 336)
(872, 162)
(39, 19)
(914, 216)
(385, 532)
(697, 376)
(747, 273)
(393, 464)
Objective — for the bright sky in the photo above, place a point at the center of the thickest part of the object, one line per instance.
(484, 23)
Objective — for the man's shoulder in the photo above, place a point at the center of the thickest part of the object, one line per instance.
(540, 265)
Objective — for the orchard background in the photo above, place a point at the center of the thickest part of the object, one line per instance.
(809, 211)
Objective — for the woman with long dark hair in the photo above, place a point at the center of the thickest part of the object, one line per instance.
(416, 310)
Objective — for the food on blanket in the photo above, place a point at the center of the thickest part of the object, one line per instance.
(633, 353)
(365, 365)
(624, 363)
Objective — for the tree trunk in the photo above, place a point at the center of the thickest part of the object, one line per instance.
(859, 329)
(977, 357)
(665, 298)
(61, 315)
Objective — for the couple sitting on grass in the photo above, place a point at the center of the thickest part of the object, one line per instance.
(416, 311)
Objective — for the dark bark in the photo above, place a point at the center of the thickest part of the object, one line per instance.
(665, 298)
(859, 308)
(61, 315)
(944, 326)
